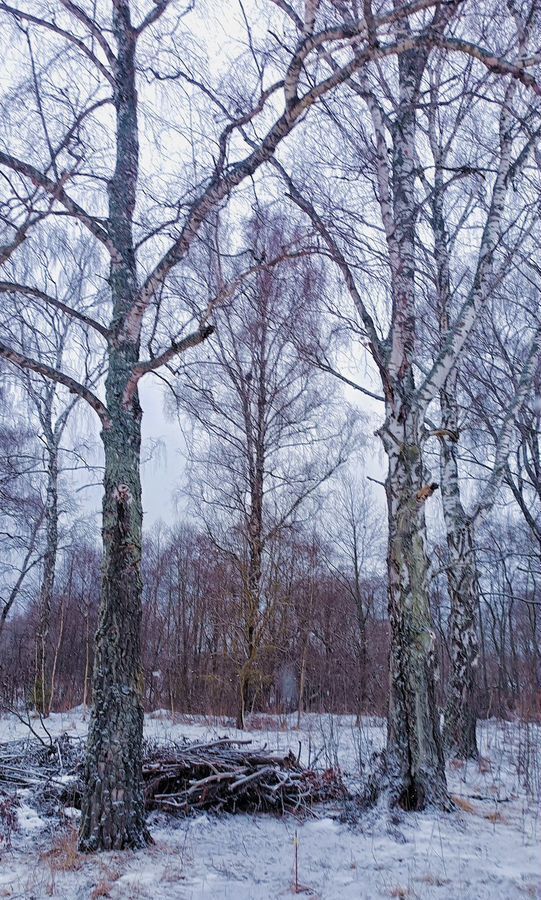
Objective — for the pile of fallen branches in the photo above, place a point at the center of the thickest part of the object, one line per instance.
(231, 776)
(29, 761)
(221, 775)
(50, 771)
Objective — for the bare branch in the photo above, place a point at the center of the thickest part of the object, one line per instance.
(56, 190)
(93, 28)
(73, 39)
(176, 349)
(503, 438)
(159, 9)
(34, 365)
(29, 291)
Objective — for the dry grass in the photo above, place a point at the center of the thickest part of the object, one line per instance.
(495, 817)
(64, 855)
(464, 804)
(261, 722)
(102, 889)
(433, 880)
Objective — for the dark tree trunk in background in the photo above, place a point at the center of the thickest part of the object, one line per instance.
(252, 579)
(42, 695)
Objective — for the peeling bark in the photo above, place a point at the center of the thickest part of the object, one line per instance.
(460, 714)
(415, 764)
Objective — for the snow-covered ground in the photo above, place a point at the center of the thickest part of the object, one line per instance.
(489, 848)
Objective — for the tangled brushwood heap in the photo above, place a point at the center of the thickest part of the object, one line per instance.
(223, 775)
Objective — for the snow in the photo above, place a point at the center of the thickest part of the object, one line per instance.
(28, 819)
(489, 848)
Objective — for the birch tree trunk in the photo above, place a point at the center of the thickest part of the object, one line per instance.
(57, 652)
(415, 762)
(460, 714)
(113, 806)
(416, 766)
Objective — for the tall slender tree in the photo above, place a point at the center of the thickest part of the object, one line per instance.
(271, 431)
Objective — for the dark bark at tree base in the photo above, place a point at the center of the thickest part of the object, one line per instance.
(415, 766)
(412, 792)
(460, 740)
(113, 778)
(415, 792)
(113, 816)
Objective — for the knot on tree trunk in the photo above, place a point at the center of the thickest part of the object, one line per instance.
(426, 491)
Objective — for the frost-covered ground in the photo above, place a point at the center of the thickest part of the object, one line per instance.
(489, 848)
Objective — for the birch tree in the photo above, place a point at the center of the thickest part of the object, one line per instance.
(381, 136)
(72, 156)
(271, 431)
(458, 185)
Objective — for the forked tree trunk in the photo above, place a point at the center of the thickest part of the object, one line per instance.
(113, 807)
(415, 762)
